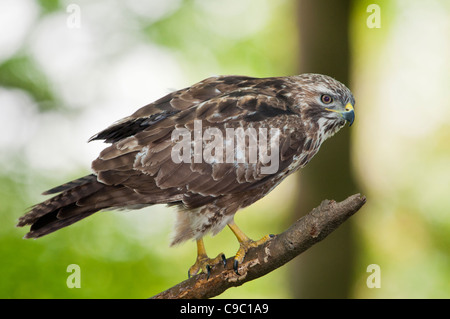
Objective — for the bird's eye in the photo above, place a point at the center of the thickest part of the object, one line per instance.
(326, 99)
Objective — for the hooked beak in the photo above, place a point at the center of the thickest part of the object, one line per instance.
(348, 114)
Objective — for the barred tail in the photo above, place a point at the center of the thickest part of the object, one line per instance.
(77, 200)
(83, 197)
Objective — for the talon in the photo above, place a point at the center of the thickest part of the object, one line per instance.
(235, 267)
(193, 270)
(224, 260)
(208, 271)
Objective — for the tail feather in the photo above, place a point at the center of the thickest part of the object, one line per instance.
(62, 210)
(83, 197)
(65, 187)
(50, 223)
(67, 197)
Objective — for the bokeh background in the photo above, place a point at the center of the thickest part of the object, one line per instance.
(68, 69)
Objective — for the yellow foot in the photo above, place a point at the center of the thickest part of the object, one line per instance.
(245, 245)
(203, 262)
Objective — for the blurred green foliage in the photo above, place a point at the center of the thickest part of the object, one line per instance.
(21, 72)
(400, 153)
(205, 39)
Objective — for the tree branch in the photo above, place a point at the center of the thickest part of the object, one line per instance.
(304, 233)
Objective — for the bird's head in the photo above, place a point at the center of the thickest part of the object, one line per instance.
(326, 102)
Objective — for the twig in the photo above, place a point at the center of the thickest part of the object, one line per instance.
(304, 233)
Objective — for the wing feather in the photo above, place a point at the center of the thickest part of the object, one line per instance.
(220, 102)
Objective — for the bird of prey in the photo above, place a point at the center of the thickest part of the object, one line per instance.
(297, 114)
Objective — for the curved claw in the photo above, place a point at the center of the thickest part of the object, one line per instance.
(208, 271)
(224, 260)
(235, 267)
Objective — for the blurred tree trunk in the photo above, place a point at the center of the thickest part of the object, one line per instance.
(325, 270)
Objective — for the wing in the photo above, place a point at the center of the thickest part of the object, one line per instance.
(167, 106)
(140, 156)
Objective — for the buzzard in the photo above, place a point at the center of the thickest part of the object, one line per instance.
(163, 154)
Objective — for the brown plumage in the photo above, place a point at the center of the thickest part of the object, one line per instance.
(137, 169)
